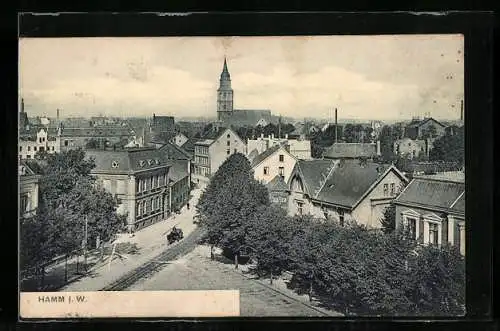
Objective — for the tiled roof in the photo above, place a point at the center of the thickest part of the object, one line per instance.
(350, 150)
(349, 181)
(264, 155)
(175, 152)
(128, 160)
(339, 182)
(250, 117)
(96, 132)
(253, 154)
(432, 193)
(178, 170)
(188, 146)
(205, 142)
(277, 184)
(313, 172)
(417, 123)
(432, 167)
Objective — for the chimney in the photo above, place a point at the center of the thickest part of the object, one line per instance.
(22, 105)
(279, 127)
(461, 110)
(378, 148)
(57, 114)
(336, 125)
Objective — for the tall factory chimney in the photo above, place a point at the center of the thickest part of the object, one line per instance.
(336, 125)
(58, 114)
(279, 127)
(22, 105)
(462, 110)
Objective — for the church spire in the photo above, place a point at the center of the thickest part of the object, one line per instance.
(225, 72)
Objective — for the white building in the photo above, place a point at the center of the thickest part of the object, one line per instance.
(301, 149)
(275, 161)
(214, 149)
(29, 145)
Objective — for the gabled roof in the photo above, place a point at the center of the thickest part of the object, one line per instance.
(277, 184)
(127, 161)
(175, 152)
(341, 182)
(249, 117)
(350, 150)
(434, 194)
(418, 123)
(209, 138)
(178, 170)
(267, 153)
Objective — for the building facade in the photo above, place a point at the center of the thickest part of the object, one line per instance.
(138, 179)
(278, 192)
(275, 161)
(423, 129)
(179, 184)
(28, 191)
(300, 149)
(343, 190)
(30, 144)
(411, 149)
(352, 150)
(432, 210)
(209, 154)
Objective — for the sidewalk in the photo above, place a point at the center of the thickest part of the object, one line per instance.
(150, 241)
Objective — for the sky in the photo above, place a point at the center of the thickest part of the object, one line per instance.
(365, 77)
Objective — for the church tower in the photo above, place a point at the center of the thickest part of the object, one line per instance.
(224, 95)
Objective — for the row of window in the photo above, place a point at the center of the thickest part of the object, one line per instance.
(392, 190)
(202, 150)
(201, 160)
(150, 183)
(281, 171)
(228, 151)
(145, 207)
(50, 148)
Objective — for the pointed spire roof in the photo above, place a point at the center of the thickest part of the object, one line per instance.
(225, 71)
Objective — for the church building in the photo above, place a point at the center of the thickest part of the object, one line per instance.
(228, 116)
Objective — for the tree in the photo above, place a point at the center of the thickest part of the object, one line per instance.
(92, 144)
(389, 219)
(349, 133)
(229, 201)
(68, 195)
(449, 148)
(270, 234)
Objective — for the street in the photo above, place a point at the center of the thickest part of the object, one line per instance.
(195, 271)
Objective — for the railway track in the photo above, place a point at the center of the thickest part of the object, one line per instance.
(156, 264)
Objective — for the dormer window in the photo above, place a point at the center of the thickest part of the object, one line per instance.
(114, 164)
(141, 163)
(150, 162)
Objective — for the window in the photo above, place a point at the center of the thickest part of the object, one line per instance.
(151, 182)
(228, 136)
(29, 148)
(43, 139)
(228, 143)
(20, 148)
(42, 149)
(300, 209)
(282, 158)
(341, 217)
(266, 170)
(228, 152)
(411, 227)
(235, 151)
(34, 148)
(24, 203)
(40, 140)
(433, 233)
(28, 156)
(386, 189)
(65, 143)
(393, 189)
(52, 147)
(139, 209)
(282, 171)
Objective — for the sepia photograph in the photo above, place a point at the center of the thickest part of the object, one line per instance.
(290, 176)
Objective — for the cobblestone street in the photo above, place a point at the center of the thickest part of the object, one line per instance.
(196, 271)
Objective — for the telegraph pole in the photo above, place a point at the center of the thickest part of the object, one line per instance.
(85, 243)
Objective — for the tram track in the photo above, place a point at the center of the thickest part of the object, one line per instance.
(157, 263)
